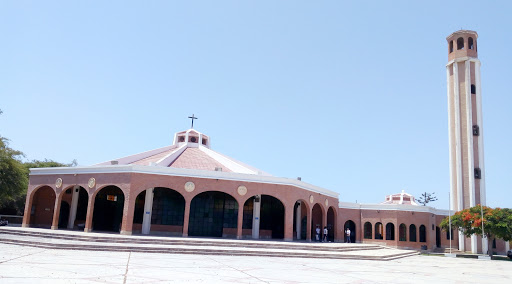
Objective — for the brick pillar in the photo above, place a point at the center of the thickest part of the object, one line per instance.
(309, 220)
(28, 209)
(240, 221)
(56, 213)
(90, 211)
(288, 223)
(128, 210)
(186, 218)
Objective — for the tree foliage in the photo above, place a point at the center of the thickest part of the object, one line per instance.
(13, 174)
(427, 197)
(497, 223)
(47, 164)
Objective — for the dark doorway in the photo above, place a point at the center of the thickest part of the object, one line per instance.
(81, 209)
(168, 211)
(438, 237)
(331, 224)
(63, 215)
(108, 209)
(303, 220)
(213, 214)
(316, 222)
(271, 217)
(352, 226)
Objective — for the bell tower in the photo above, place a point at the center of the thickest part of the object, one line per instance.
(467, 174)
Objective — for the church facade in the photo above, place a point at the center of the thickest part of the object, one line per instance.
(188, 189)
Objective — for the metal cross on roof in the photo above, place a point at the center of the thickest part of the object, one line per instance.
(192, 117)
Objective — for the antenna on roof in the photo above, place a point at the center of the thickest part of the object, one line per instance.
(192, 117)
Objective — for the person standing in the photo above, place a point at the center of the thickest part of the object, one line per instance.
(325, 234)
(317, 233)
(347, 233)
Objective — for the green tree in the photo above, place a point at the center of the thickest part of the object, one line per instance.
(13, 175)
(47, 164)
(497, 223)
(427, 197)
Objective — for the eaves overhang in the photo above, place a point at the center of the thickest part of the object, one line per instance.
(397, 207)
(169, 171)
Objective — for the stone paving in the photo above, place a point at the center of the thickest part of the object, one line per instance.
(21, 264)
(61, 239)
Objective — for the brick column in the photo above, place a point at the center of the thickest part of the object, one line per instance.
(28, 209)
(186, 218)
(288, 223)
(240, 221)
(56, 213)
(128, 210)
(309, 220)
(90, 211)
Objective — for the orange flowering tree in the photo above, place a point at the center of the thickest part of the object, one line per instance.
(497, 223)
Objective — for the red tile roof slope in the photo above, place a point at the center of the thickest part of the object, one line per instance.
(154, 158)
(193, 158)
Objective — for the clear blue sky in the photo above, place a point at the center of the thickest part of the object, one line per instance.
(350, 96)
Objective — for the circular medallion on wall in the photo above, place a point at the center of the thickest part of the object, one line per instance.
(91, 183)
(311, 199)
(242, 190)
(326, 202)
(190, 186)
(58, 183)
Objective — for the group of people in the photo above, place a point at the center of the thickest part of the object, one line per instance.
(326, 232)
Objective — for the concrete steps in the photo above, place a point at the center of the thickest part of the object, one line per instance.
(72, 240)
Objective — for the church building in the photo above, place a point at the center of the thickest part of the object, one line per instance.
(189, 189)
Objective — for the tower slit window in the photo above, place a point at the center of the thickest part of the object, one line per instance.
(476, 130)
(473, 89)
(470, 43)
(478, 173)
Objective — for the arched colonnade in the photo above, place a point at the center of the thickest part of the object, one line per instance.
(166, 211)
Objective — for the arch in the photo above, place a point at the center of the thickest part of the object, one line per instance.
(368, 230)
(108, 209)
(423, 234)
(300, 219)
(412, 233)
(350, 237)
(66, 202)
(167, 211)
(451, 46)
(379, 231)
(390, 231)
(470, 43)
(402, 233)
(460, 43)
(213, 214)
(270, 223)
(331, 224)
(317, 217)
(42, 207)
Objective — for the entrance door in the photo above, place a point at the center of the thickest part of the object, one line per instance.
(63, 215)
(438, 237)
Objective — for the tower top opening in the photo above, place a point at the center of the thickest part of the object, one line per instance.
(462, 44)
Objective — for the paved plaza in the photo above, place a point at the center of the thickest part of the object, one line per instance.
(23, 264)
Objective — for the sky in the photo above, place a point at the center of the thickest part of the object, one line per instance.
(350, 96)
